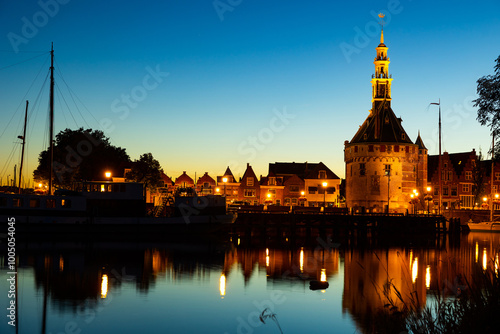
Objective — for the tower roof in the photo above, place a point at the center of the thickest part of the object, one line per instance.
(420, 142)
(382, 126)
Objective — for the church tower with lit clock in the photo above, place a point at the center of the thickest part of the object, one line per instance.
(383, 165)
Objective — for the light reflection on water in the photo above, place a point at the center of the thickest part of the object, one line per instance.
(224, 288)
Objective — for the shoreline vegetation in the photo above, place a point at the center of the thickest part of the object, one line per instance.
(473, 307)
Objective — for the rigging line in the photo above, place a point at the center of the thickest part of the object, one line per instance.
(63, 113)
(73, 95)
(23, 99)
(23, 61)
(9, 159)
(35, 105)
(69, 110)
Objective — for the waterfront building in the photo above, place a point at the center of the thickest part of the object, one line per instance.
(228, 186)
(184, 181)
(206, 185)
(305, 183)
(271, 189)
(383, 166)
(249, 188)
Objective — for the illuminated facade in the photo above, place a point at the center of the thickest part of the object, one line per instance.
(383, 165)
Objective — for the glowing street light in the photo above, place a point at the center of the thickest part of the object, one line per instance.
(428, 198)
(107, 174)
(224, 179)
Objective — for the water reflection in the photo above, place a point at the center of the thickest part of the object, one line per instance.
(79, 278)
(374, 279)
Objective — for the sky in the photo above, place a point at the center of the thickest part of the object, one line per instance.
(206, 84)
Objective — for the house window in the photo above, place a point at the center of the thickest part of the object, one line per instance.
(465, 187)
(287, 201)
(355, 149)
(362, 169)
(294, 189)
(313, 190)
(35, 203)
(250, 182)
(403, 136)
(396, 148)
(407, 149)
(370, 148)
(272, 191)
(445, 191)
(468, 175)
(382, 148)
(294, 201)
(322, 174)
(249, 193)
(497, 176)
(454, 191)
(272, 181)
(436, 191)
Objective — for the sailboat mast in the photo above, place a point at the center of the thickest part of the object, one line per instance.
(51, 107)
(24, 142)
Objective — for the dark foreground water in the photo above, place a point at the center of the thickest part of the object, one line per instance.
(233, 286)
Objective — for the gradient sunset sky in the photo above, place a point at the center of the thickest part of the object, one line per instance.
(206, 84)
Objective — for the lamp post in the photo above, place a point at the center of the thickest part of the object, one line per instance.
(428, 198)
(302, 198)
(224, 179)
(324, 196)
(108, 175)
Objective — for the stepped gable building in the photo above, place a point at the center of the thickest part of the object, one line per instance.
(383, 165)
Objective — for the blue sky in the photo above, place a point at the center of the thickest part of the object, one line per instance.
(206, 84)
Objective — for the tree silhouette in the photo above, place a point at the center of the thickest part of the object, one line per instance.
(81, 155)
(146, 170)
(488, 102)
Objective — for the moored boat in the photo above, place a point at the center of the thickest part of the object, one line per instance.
(488, 226)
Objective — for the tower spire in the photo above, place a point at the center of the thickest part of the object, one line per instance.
(381, 80)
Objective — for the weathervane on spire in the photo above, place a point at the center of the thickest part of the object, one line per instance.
(382, 22)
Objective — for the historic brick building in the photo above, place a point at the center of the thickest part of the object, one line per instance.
(383, 165)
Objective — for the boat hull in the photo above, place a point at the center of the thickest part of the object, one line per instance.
(484, 227)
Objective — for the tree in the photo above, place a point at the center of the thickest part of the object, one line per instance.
(488, 102)
(81, 155)
(146, 170)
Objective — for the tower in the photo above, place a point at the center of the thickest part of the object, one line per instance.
(382, 162)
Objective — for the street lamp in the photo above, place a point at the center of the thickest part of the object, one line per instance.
(324, 196)
(428, 198)
(107, 174)
(224, 179)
